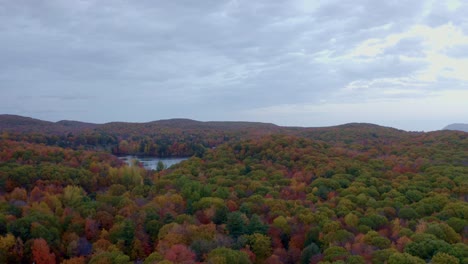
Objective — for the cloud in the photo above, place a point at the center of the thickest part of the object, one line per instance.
(217, 59)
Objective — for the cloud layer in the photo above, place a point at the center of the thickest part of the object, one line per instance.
(287, 62)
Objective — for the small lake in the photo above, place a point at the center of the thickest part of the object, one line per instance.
(150, 163)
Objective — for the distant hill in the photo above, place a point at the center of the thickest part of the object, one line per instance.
(457, 126)
(186, 137)
(186, 124)
(21, 124)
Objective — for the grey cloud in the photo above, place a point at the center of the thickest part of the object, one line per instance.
(167, 58)
(440, 14)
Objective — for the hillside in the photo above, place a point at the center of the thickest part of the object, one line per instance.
(179, 137)
(395, 198)
(21, 124)
(14, 123)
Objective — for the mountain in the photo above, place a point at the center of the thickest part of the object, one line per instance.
(457, 126)
(187, 125)
(183, 137)
(21, 124)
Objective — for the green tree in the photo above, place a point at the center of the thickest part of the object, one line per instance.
(73, 196)
(408, 213)
(220, 216)
(235, 224)
(351, 220)
(427, 247)
(382, 256)
(160, 166)
(444, 232)
(256, 226)
(261, 246)
(443, 258)
(309, 252)
(281, 223)
(404, 258)
(154, 257)
(224, 255)
(374, 239)
(335, 253)
(356, 260)
(114, 257)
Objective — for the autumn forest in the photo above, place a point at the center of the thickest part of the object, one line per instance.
(248, 193)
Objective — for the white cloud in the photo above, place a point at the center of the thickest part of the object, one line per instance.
(453, 5)
(435, 42)
(375, 47)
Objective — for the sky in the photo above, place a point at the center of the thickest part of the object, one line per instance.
(308, 63)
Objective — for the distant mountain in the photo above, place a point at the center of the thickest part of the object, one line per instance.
(457, 126)
(189, 124)
(21, 124)
(186, 137)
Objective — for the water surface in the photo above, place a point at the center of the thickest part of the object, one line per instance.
(151, 163)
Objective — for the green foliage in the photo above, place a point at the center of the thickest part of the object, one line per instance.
(154, 257)
(220, 216)
(382, 256)
(443, 258)
(408, 213)
(225, 256)
(73, 196)
(308, 252)
(374, 239)
(256, 226)
(160, 166)
(115, 257)
(261, 246)
(457, 224)
(235, 224)
(282, 223)
(460, 251)
(427, 247)
(207, 202)
(340, 236)
(351, 220)
(404, 258)
(414, 195)
(125, 233)
(335, 253)
(444, 232)
(355, 260)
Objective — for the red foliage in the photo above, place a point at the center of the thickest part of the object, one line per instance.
(273, 259)
(91, 229)
(41, 252)
(249, 253)
(180, 254)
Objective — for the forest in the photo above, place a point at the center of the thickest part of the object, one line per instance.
(249, 193)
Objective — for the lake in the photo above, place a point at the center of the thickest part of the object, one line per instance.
(150, 163)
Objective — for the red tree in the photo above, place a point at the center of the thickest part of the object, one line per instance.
(180, 254)
(41, 252)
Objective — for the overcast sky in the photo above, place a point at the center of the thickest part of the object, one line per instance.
(302, 63)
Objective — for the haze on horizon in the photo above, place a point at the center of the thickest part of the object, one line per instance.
(296, 63)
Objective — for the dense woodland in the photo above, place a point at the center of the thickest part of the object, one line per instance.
(250, 193)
